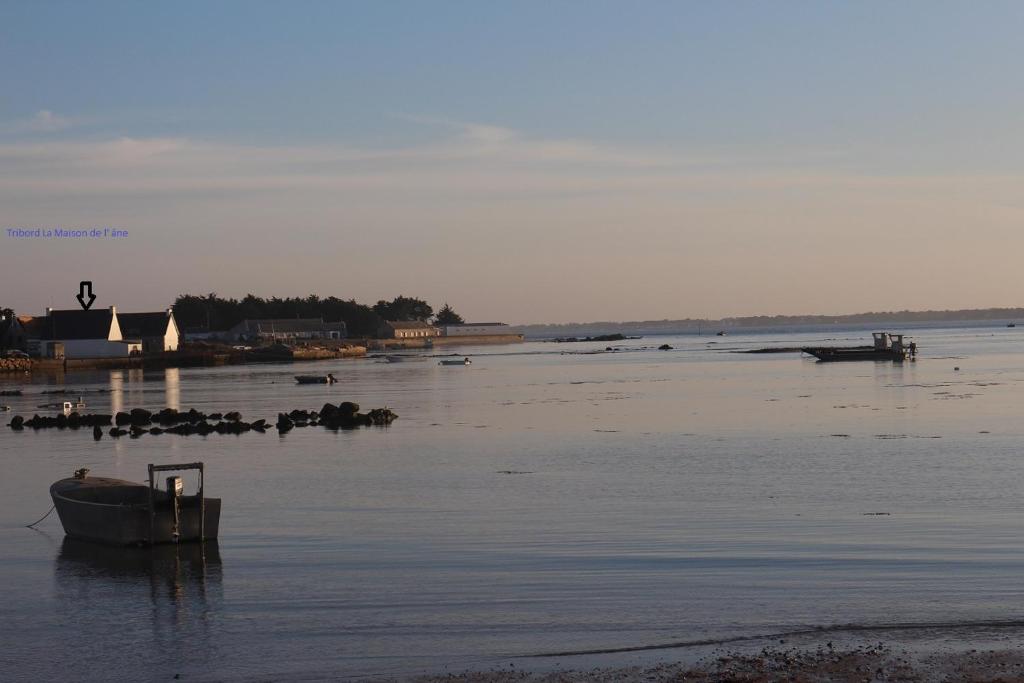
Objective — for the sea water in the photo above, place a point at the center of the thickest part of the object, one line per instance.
(544, 499)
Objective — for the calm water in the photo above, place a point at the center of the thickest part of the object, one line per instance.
(533, 502)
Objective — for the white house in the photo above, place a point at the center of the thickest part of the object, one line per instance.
(82, 334)
(158, 331)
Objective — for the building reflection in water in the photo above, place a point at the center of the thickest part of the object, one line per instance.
(116, 391)
(183, 584)
(172, 387)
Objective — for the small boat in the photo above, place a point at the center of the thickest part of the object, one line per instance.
(4, 409)
(720, 333)
(886, 347)
(122, 512)
(395, 358)
(70, 407)
(464, 361)
(316, 379)
(1011, 325)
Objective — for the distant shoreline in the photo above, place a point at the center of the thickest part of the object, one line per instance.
(956, 318)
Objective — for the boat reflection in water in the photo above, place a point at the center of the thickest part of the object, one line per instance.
(182, 580)
(175, 565)
(161, 602)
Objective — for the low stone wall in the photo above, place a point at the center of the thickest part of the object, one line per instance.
(478, 339)
(350, 351)
(105, 363)
(15, 364)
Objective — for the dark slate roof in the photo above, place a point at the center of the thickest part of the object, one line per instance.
(77, 324)
(136, 325)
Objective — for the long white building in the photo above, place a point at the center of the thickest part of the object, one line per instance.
(75, 334)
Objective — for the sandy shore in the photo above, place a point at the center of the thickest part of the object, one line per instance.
(952, 662)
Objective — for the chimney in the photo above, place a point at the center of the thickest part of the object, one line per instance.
(113, 310)
(170, 311)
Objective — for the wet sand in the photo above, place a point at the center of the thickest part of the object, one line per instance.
(862, 663)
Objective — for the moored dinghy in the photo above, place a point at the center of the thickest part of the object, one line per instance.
(316, 379)
(128, 513)
(463, 361)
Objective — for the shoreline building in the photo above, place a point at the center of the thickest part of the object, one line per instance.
(158, 331)
(407, 329)
(285, 330)
(12, 332)
(477, 330)
(78, 334)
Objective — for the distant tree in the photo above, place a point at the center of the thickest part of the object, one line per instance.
(404, 308)
(6, 320)
(217, 314)
(448, 316)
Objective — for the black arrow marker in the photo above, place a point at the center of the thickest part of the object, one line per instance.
(84, 289)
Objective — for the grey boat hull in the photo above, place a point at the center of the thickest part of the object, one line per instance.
(117, 512)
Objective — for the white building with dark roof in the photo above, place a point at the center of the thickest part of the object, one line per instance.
(158, 331)
(80, 334)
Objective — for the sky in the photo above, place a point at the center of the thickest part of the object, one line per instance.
(526, 162)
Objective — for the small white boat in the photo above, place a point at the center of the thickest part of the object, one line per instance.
(463, 361)
(70, 407)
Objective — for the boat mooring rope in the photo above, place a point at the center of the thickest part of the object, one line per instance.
(33, 524)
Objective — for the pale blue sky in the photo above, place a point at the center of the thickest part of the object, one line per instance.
(524, 161)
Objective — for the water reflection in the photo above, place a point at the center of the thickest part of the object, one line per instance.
(179, 576)
(116, 389)
(172, 387)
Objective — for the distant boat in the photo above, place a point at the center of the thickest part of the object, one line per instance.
(122, 512)
(70, 407)
(394, 358)
(316, 379)
(886, 347)
(464, 361)
(720, 333)
(1011, 325)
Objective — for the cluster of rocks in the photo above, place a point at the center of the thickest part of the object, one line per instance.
(136, 422)
(15, 364)
(345, 415)
(72, 421)
(202, 428)
(170, 416)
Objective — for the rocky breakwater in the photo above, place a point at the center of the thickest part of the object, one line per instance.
(345, 415)
(15, 364)
(138, 421)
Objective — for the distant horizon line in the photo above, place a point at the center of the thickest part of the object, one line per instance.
(938, 315)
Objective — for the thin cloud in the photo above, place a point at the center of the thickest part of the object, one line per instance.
(43, 121)
(467, 158)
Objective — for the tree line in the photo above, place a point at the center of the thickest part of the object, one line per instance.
(216, 313)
